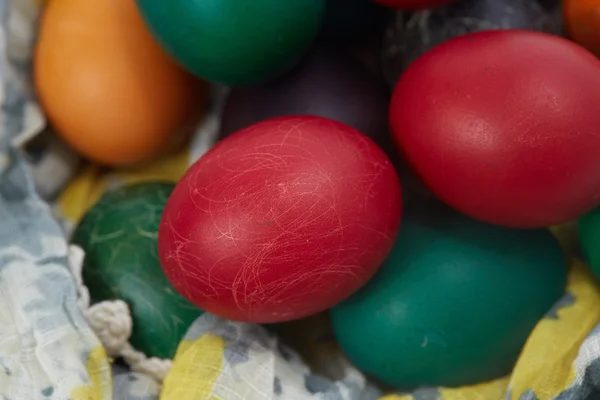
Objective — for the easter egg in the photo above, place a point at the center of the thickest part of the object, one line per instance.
(413, 4)
(232, 43)
(107, 87)
(582, 22)
(410, 35)
(328, 83)
(453, 304)
(281, 220)
(503, 126)
(119, 237)
(589, 239)
(351, 20)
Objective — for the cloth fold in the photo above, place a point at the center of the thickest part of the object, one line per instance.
(49, 351)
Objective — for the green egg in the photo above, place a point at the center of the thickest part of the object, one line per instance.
(453, 304)
(119, 236)
(589, 239)
(234, 42)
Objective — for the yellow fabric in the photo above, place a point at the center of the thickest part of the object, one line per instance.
(100, 386)
(546, 363)
(495, 390)
(197, 367)
(170, 168)
(83, 192)
(92, 182)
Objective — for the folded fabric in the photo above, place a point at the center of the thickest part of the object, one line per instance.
(47, 349)
(221, 359)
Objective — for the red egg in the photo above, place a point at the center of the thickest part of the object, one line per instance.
(412, 4)
(281, 220)
(504, 126)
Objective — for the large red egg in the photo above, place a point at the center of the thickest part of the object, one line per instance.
(413, 4)
(281, 220)
(504, 126)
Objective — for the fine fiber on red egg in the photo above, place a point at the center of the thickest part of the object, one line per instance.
(281, 220)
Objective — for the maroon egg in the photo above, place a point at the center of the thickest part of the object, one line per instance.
(328, 83)
(281, 220)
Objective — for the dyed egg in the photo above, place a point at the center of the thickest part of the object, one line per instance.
(350, 20)
(453, 304)
(413, 4)
(107, 88)
(328, 83)
(582, 22)
(232, 43)
(589, 239)
(281, 220)
(119, 236)
(410, 35)
(503, 126)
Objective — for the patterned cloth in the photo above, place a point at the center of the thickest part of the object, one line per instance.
(48, 351)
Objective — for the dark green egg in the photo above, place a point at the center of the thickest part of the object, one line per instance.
(453, 304)
(234, 42)
(589, 239)
(119, 236)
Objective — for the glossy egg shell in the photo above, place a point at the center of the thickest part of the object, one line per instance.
(119, 237)
(503, 126)
(589, 239)
(107, 87)
(453, 304)
(410, 35)
(235, 43)
(328, 83)
(280, 220)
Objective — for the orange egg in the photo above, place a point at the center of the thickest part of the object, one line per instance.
(107, 87)
(582, 21)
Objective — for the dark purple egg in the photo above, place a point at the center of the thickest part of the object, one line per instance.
(328, 83)
(411, 34)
